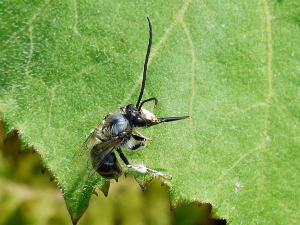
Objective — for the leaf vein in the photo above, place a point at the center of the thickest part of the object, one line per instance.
(30, 50)
(29, 23)
(76, 18)
(192, 81)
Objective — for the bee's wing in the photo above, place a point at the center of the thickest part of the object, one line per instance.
(91, 173)
(90, 141)
(91, 169)
(100, 152)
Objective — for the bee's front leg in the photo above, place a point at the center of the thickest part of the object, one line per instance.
(138, 136)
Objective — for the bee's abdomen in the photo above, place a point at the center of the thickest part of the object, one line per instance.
(110, 168)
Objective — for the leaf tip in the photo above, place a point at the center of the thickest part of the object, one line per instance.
(104, 188)
(75, 221)
(51, 177)
(142, 183)
(95, 193)
(44, 169)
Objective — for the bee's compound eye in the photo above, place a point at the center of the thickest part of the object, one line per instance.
(139, 121)
(130, 108)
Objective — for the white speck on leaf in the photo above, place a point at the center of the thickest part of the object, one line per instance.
(238, 185)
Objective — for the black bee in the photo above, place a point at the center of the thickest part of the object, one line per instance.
(119, 130)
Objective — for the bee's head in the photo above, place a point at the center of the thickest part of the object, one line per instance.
(140, 117)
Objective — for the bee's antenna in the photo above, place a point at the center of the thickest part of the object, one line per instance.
(145, 65)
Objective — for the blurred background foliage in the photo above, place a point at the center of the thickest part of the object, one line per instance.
(28, 197)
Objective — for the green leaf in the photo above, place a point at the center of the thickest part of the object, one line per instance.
(233, 66)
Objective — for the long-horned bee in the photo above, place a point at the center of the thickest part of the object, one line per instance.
(120, 130)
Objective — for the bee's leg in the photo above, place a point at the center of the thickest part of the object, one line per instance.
(143, 169)
(123, 157)
(135, 147)
(140, 168)
(135, 142)
(139, 137)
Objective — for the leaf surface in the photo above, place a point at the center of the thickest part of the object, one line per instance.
(233, 66)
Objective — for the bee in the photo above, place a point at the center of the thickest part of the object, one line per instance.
(120, 130)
